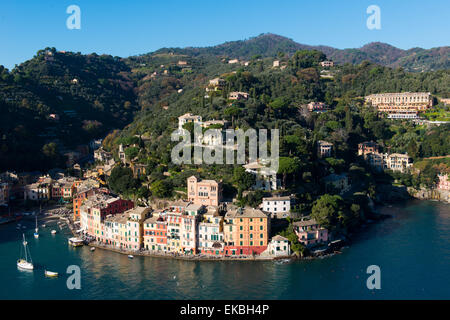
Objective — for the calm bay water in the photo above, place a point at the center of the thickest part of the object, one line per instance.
(412, 250)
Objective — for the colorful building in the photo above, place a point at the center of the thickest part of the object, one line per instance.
(211, 239)
(94, 211)
(310, 232)
(444, 183)
(252, 231)
(135, 227)
(155, 234)
(367, 147)
(204, 192)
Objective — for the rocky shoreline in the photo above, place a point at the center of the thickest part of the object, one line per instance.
(430, 194)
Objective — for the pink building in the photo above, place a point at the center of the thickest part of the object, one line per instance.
(310, 232)
(444, 183)
(204, 192)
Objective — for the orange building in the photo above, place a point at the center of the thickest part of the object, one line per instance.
(155, 234)
(251, 231)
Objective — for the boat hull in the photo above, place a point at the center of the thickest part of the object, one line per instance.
(25, 265)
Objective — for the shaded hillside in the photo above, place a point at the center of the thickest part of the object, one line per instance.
(88, 95)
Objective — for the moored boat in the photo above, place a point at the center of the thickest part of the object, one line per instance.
(51, 274)
(25, 262)
(75, 242)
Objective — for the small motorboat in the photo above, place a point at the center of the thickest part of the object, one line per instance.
(53, 231)
(130, 256)
(93, 249)
(51, 274)
(36, 235)
(43, 226)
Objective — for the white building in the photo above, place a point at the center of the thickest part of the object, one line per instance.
(278, 207)
(266, 179)
(186, 118)
(279, 247)
(210, 235)
(36, 191)
(327, 64)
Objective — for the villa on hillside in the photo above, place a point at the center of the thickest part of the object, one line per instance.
(324, 149)
(266, 179)
(403, 105)
(204, 192)
(310, 232)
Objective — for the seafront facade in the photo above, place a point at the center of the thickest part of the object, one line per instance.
(182, 228)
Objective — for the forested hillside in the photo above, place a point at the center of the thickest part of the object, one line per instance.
(58, 100)
(269, 45)
(277, 99)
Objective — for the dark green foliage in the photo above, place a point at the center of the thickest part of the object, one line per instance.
(122, 181)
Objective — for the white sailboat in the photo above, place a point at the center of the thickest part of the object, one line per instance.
(24, 263)
(36, 230)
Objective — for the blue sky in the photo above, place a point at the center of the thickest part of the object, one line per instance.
(125, 28)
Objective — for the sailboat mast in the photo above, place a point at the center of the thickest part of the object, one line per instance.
(25, 248)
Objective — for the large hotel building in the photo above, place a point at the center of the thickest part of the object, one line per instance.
(404, 105)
